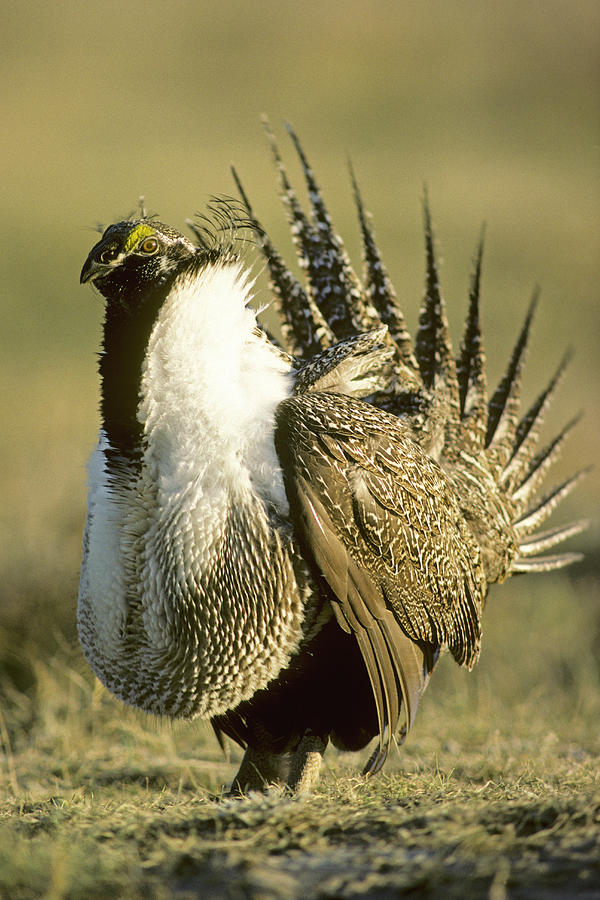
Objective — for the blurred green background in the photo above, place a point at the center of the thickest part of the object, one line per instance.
(494, 106)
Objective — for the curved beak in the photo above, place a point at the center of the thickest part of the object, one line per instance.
(92, 269)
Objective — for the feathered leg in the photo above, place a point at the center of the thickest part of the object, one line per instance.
(306, 764)
(260, 770)
(297, 770)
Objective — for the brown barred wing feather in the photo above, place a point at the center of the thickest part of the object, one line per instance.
(359, 609)
(380, 522)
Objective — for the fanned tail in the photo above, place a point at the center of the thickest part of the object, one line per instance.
(511, 445)
(331, 284)
(379, 288)
(503, 409)
(526, 491)
(540, 511)
(340, 294)
(433, 344)
(485, 443)
(528, 432)
(545, 563)
(470, 365)
(304, 329)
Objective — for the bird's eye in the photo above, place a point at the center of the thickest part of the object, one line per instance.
(106, 256)
(150, 245)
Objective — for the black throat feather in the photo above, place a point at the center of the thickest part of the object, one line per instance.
(129, 319)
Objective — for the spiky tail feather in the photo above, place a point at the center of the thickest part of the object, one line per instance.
(335, 304)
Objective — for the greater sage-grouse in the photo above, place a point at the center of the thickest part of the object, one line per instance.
(283, 537)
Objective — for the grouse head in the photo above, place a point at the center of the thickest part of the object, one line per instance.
(133, 256)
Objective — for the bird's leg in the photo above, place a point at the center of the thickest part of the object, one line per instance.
(298, 770)
(306, 763)
(261, 769)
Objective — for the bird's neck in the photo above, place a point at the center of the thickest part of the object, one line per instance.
(128, 325)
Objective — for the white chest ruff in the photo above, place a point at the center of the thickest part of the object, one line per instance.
(188, 602)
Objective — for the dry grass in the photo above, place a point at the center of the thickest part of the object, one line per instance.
(496, 793)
